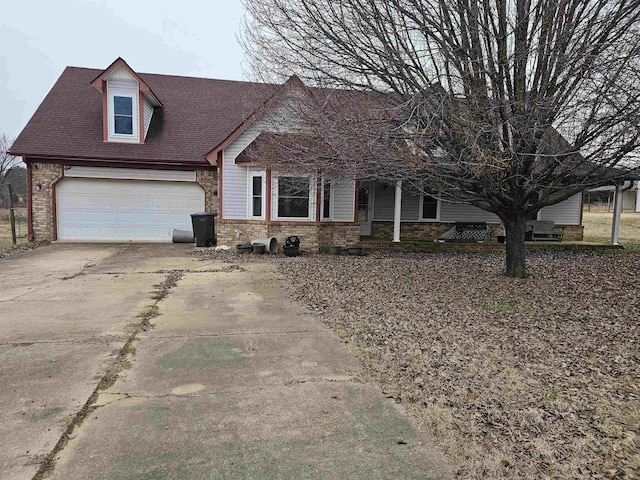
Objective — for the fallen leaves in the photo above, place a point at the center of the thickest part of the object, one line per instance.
(519, 378)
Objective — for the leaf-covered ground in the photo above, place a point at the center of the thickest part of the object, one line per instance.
(530, 378)
(517, 378)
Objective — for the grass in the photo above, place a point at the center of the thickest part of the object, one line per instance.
(5, 226)
(597, 227)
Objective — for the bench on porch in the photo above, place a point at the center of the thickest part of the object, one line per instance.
(541, 230)
(467, 232)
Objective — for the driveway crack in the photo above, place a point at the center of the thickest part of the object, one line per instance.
(121, 363)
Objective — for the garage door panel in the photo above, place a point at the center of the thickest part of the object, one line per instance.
(120, 210)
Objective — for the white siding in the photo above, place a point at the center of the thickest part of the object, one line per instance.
(130, 173)
(564, 213)
(129, 87)
(462, 212)
(121, 73)
(148, 113)
(234, 177)
(343, 201)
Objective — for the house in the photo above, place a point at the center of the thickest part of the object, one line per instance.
(117, 155)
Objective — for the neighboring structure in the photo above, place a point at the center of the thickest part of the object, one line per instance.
(605, 196)
(115, 155)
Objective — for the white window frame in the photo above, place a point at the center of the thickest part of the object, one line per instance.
(331, 199)
(438, 204)
(275, 197)
(135, 135)
(251, 175)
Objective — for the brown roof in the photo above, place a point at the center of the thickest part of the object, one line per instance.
(197, 115)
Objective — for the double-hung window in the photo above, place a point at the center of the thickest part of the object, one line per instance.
(429, 208)
(326, 199)
(123, 115)
(256, 201)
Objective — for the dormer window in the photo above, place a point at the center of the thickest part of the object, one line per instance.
(128, 103)
(123, 115)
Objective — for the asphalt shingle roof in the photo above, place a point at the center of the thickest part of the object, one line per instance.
(197, 115)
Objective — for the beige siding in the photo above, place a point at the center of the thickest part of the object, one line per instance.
(564, 213)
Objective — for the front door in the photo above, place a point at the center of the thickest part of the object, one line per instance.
(365, 208)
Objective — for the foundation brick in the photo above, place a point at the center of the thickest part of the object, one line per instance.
(44, 175)
(313, 235)
(208, 180)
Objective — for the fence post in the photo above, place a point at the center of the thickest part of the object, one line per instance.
(12, 216)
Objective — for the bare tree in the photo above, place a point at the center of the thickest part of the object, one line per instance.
(7, 161)
(510, 105)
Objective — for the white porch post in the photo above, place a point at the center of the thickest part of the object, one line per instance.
(637, 196)
(396, 212)
(617, 214)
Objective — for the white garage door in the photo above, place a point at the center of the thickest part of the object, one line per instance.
(125, 210)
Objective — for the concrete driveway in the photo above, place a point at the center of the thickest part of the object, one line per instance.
(140, 361)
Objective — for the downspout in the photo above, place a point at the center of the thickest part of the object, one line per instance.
(29, 201)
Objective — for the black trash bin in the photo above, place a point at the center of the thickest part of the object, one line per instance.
(204, 228)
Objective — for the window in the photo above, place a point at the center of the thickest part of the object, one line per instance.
(326, 199)
(293, 197)
(429, 208)
(256, 195)
(122, 115)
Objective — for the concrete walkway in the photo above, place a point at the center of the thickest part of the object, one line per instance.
(138, 361)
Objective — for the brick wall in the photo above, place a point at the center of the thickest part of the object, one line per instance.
(43, 175)
(312, 235)
(423, 230)
(208, 179)
(573, 233)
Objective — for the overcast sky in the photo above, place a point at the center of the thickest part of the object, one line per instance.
(38, 39)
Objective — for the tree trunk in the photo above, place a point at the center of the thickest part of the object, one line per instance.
(515, 253)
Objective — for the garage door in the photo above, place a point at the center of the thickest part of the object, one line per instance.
(124, 210)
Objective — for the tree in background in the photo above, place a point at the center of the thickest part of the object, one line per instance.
(8, 163)
(509, 105)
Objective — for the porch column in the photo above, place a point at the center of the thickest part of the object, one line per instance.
(396, 212)
(617, 214)
(637, 182)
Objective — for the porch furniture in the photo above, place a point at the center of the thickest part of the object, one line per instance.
(467, 232)
(541, 230)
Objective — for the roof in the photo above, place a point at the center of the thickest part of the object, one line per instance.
(119, 62)
(197, 115)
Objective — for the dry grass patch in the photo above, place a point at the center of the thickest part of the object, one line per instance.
(5, 226)
(597, 227)
(519, 378)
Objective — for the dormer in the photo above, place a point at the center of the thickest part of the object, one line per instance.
(128, 103)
